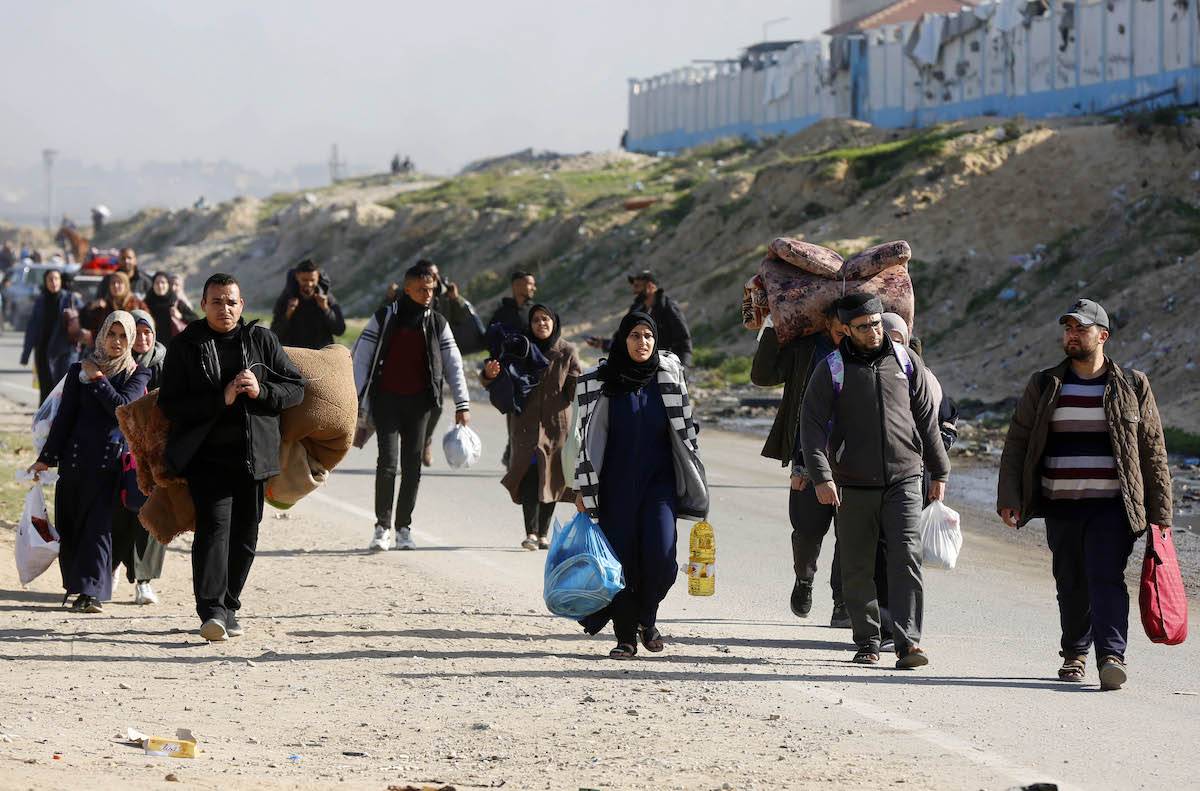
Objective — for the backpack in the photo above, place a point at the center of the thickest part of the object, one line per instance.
(837, 370)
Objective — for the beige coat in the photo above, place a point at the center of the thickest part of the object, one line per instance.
(542, 427)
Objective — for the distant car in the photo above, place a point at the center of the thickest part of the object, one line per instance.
(24, 282)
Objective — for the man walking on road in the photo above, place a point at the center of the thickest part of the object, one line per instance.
(224, 386)
(791, 365)
(869, 427)
(513, 312)
(1085, 450)
(405, 353)
(674, 334)
(306, 314)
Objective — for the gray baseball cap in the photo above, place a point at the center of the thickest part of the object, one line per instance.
(1086, 312)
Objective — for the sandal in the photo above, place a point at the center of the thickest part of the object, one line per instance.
(866, 656)
(911, 659)
(623, 651)
(1073, 668)
(651, 638)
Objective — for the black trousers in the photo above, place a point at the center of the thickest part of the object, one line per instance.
(1090, 542)
(132, 545)
(229, 506)
(537, 514)
(400, 429)
(435, 414)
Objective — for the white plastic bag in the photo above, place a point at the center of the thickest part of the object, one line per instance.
(37, 540)
(44, 417)
(462, 447)
(941, 535)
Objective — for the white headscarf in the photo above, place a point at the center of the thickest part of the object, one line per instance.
(111, 366)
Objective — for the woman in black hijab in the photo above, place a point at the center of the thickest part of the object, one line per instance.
(534, 477)
(638, 469)
(46, 334)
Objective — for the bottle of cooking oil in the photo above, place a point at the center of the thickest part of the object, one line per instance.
(702, 565)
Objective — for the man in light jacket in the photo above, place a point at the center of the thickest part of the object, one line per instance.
(402, 358)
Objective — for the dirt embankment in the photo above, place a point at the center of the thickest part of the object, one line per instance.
(1008, 224)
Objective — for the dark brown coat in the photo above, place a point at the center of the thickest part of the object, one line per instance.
(1134, 427)
(542, 428)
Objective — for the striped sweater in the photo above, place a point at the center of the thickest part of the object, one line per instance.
(1078, 462)
(691, 484)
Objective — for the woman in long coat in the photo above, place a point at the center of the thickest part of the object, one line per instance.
(534, 477)
(142, 555)
(86, 445)
(638, 469)
(46, 335)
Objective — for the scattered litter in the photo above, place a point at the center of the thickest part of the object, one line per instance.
(354, 754)
(724, 649)
(294, 758)
(182, 746)
(123, 685)
(772, 717)
(4, 737)
(251, 663)
(1146, 336)
(172, 778)
(1192, 460)
(481, 726)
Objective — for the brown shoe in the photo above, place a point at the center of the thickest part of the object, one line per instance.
(427, 454)
(911, 659)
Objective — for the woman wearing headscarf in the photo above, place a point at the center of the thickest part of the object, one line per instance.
(86, 445)
(132, 545)
(534, 477)
(46, 333)
(638, 469)
(171, 314)
(119, 297)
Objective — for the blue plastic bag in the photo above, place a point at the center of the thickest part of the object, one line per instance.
(582, 572)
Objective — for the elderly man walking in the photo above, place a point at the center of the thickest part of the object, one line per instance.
(1085, 450)
(869, 429)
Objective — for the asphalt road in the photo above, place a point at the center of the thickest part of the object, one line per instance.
(988, 702)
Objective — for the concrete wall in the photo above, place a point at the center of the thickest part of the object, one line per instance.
(1115, 52)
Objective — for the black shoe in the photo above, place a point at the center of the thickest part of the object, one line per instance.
(232, 627)
(840, 618)
(88, 604)
(802, 598)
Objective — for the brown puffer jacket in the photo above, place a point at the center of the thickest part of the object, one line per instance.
(1137, 441)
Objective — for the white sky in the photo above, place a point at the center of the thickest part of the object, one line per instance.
(272, 83)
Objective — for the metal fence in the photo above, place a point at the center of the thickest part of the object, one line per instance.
(1002, 58)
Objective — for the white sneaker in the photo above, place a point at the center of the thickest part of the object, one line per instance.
(144, 594)
(381, 541)
(404, 538)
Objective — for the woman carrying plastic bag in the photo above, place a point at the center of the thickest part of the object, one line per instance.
(582, 574)
(638, 470)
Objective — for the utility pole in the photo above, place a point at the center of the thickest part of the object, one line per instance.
(48, 155)
(335, 166)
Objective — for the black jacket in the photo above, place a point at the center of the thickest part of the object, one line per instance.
(790, 365)
(673, 333)
(309, 327)
(879, 430)
(192, 396)
(511, 315)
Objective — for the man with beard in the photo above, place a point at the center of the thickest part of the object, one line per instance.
(140, 283)
(648, 297)
(1085, 450)
(868, 430)
(306, 314)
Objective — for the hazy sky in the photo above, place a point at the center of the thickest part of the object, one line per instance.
(271, 83)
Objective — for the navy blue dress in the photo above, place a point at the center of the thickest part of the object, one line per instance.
(637, 507)
(86, 445)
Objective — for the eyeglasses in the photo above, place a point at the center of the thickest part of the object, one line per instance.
(868, 325)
